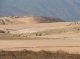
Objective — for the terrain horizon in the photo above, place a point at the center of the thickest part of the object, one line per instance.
(69, 10)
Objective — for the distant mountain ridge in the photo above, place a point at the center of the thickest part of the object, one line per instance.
(69, 10)
(28, 20)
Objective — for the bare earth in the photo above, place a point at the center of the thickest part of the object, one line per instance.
(50, 36)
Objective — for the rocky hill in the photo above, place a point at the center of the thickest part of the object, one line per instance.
(28, 19)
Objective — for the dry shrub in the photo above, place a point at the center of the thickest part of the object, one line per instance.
(25, 54)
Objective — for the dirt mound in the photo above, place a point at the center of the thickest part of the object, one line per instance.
(7, 20)
(28, 19)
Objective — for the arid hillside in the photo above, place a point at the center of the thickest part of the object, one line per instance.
(28, 19)
(24, 33)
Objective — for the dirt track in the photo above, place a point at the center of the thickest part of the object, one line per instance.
(36, 45)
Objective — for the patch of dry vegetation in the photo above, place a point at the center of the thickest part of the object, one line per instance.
(37, 55)
(58, 31)
(4, 34)
(22, 37)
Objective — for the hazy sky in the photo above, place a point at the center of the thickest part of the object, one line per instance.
(66, 9)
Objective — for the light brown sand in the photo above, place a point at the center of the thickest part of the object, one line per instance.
(67, 41)
(36, 45)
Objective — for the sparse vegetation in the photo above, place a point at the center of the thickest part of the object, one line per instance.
(19, 37)
(4, 34)
(25, 54)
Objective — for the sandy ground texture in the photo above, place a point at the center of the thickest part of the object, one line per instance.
(41, 36)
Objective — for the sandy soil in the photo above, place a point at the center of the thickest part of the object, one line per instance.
(67, 35)
(72, 46)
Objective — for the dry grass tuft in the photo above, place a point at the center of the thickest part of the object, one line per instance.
(25, 54)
